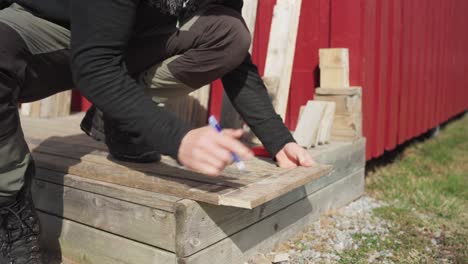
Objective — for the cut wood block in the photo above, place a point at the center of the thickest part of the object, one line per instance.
(353, 90)
(345, 104)
(326, 123)
(334, 58)
(308, 125)
(347, 127)
(334, 77)
(281, 50)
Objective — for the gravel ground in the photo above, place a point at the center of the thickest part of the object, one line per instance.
(325, 239)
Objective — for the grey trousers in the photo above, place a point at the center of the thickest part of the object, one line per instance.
(170, 61)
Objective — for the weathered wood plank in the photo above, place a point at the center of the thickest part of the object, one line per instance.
(200, 225)
(307, 130)
(258, 168)
(130, 178)
(353, 90)
(119, 192)
(286, 223)
(326, 123)
(86, 245)
(274, 186)
(281, 50)
(115, 216)
(52, 157)
(345, 104)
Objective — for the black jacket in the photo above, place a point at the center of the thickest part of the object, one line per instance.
(101, 30)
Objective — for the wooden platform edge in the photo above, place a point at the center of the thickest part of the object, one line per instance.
(122, 218)
(85, 245)
(268, 189)
(200, 225)
(264, 235)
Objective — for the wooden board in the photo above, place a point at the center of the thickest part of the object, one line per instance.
(107, 213)
(284, 224)
(85, 245)
(234, 188)
(281, 50)
(326, 123)
(307, 129)
(200, 225)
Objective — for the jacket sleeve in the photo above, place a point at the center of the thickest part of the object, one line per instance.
(250, 98)
(101, 30)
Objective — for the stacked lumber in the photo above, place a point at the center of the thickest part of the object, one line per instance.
(315, 124)
(57, 105)
(334, 81)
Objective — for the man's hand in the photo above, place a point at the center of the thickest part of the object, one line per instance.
(206, 151)
(293, 155)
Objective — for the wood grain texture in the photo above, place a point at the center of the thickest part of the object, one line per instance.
(83, 157)
(137, 196)
(281, 50)
(86, 245)
(274, 186)
(334, 58)
(345, 104)
(200, 225)
(326, 123)
(106, 213)
(286, 223)
(307, 129)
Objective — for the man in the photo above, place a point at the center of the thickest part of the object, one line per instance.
(127, 57)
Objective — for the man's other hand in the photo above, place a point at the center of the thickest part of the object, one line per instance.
(206, 151)
(293, 155)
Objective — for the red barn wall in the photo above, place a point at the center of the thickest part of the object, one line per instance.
(410, 57)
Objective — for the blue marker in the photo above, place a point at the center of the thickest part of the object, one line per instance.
(214, 123)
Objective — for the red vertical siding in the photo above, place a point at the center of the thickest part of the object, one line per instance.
(410, 57)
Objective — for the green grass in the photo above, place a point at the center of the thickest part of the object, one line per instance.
(426, 188)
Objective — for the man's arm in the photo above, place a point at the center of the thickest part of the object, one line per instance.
(250, 98)
(100, 34)
(248, 94)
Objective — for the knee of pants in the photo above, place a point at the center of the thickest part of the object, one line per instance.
(226, 35)
(235, 38)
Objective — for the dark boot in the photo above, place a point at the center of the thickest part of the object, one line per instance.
(20, 228)
(101, 128)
